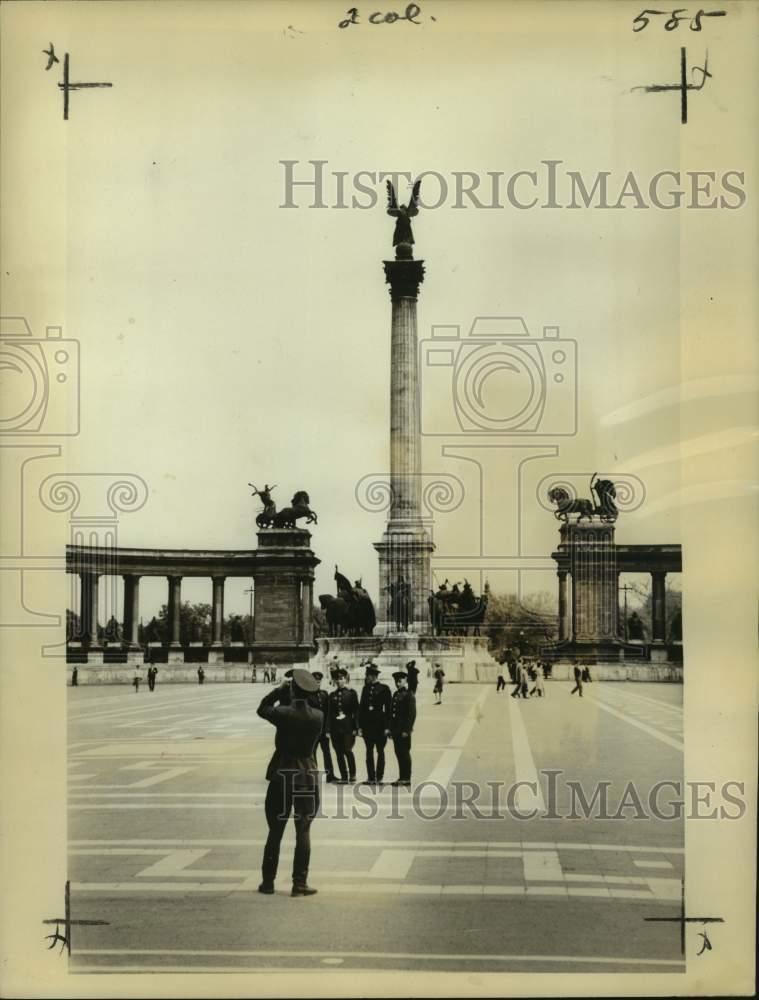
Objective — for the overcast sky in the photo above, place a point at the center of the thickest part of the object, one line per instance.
(225, 339)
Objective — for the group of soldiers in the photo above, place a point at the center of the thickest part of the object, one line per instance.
(306, 717)
(376, 715)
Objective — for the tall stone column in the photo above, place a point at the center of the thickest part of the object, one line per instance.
(89, 609)
(563, 606)
(176, 653)
(658, 606)
(405, 549)
(217, 611)
(216, 652)
(131, 611)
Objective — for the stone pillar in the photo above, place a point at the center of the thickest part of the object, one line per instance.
(283, 573)
(176, 653)
(591, 552)
(658, 607)
(89, 610)
(131, 611)
(216, 652)
(563, 607)
(405, 549)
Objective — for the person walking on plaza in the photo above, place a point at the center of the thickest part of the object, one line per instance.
(201, 675)
(539, 689)
(293, 779)
(413, 676)
(402, 718)
(320, 700)
(373, 720)
(501, 681)
(137, 678)
(578, 680)
(75, 677)
(438, 688)
(518, 679)
(152, 674)
(342, 724)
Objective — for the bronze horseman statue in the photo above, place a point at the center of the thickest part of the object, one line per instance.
(606, 510)
(403, 237)
(270, 517)
(351, 612)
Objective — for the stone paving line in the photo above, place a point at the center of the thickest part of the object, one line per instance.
(151, 868)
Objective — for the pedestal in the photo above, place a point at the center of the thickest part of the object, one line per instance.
(215, 656)
(404, 555)
(283, 596)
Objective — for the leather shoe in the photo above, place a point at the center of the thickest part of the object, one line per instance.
(267, 888)
(303, 890)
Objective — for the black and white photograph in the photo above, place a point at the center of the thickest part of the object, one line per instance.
(378, 603)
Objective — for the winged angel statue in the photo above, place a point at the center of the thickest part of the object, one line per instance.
(404, 214)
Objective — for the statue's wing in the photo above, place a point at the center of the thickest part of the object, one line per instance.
(413, 205)
(392, 204)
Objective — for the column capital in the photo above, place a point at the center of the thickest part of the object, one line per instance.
(404, 277)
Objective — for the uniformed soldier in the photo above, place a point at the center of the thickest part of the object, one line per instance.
(413, 676)
(402, 718)
(373, 720)
(293, 779)
(320, 700)
(342, 724)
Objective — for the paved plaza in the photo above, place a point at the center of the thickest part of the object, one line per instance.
(166, 831)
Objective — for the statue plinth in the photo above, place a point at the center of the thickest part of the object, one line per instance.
(283, 596)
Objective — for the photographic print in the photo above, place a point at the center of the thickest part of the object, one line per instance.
(379, 498)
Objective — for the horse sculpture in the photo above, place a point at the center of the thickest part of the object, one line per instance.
(606, 510)
(454, 611)
(287, 517)
(351, 612)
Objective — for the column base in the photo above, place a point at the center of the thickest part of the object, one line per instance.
(174, 655)
(215, 655)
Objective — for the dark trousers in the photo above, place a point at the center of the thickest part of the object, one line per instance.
(324, 744)
(517, 690)
(342, 744)
(578, 686)
(402, 747)
(375, 742)
(282, 798)
(501, 683)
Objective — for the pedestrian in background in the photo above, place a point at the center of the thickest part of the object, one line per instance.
(438, 688)
(413, 676)
(201, 675)
(75, 678)
(137, 678)
(539, 689)
(578, 680)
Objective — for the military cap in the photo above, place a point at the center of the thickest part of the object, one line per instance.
(400, 673)
(303, 680)
(317, 675)
(342, 672)
(372, 669)
(289, 673)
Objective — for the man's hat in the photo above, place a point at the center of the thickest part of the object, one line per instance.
(342, 672)
(289, 673)
(400, 673)
(317, 675)
(303, 680)
(371, 669)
